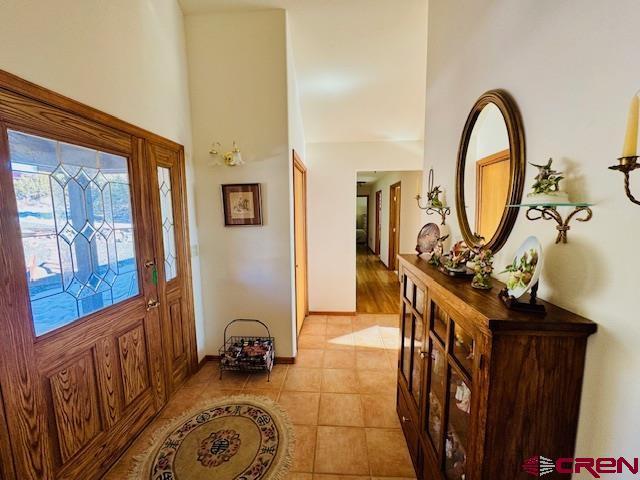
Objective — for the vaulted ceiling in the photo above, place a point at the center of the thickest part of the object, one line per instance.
(360, 64)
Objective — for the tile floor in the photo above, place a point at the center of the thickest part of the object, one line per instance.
(340, 395)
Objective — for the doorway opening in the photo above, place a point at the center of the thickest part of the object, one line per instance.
(395, 221)
(300, 239)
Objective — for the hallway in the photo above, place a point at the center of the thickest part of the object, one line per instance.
(340, 396)
(377, 289)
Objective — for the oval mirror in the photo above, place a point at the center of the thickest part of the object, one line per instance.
(490, 170)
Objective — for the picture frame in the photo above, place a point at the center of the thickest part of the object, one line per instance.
(242, 203)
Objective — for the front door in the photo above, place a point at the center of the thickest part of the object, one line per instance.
(171, 262)
(82, 365)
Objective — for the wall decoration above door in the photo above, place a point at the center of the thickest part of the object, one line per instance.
(242, 204)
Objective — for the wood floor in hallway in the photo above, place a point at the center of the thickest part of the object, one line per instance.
(377, 289)
(340, 396)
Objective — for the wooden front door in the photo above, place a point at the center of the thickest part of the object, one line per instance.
(82, 363)
(378, 223)
(394, 225)
(172, 262)
(300, 234)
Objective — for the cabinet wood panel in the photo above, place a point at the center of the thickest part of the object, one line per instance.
(175, 313)
(133, 363)
(75, 403)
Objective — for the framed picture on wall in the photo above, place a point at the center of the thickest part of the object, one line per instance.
(242, 204)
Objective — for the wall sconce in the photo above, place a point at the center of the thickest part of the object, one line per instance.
(230, 158)
(628, 162)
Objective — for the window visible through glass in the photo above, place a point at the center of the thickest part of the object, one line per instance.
(168, 233)
(74, 206)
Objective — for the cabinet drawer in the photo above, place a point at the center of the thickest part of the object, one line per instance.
(409, 425)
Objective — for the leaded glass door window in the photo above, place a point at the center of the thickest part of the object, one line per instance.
(167, 224)
(74, 207)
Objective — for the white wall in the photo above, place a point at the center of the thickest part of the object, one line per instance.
(411, 217)
(238, 85)
(331, 212)
(124, 57)
(572, 68)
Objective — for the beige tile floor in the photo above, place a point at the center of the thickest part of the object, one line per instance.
(340, 395)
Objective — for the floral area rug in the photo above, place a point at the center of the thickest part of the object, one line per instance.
(235, 438)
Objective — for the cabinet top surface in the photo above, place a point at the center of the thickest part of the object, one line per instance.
(486, 307)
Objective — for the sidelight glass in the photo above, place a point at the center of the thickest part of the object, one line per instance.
(168, 229)
(74, 208)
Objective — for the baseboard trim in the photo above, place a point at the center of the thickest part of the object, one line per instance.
(280, 360)
(334, 314)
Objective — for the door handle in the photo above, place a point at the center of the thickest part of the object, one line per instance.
(153, 303)
(422, 353)
(405, 419)
(150, 263)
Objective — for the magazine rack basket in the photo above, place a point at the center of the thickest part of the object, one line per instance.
(242, 353)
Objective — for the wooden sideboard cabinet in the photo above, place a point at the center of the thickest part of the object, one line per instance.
(482, 388)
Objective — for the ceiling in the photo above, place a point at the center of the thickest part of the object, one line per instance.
(360, 64)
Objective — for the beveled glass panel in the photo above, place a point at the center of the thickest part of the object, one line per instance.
(457, 428)
(79, 254)
(418, 345)
(435, 389)
(463, 347)
(419, 306)
(168, 229)
(406, 343)
(439, 321)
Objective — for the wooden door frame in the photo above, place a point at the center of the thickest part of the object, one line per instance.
(34, 109)
(396, 237)
(298, 164)
(378, 232)
(368, 222)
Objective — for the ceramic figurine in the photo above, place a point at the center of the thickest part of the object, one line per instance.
(438, 251)
(546, 188)
(458, 257)
(433, 197)
(483, 268)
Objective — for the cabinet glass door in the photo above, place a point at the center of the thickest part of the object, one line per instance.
(405, 356)
(457, 427)
(418, 346)
(435, 395)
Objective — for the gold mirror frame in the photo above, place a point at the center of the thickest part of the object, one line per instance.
(513, 120)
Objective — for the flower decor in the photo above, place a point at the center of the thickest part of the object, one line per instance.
(522, 269)
(483, 269)
(438, 251)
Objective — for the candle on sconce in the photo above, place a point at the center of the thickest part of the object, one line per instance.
(630, 148)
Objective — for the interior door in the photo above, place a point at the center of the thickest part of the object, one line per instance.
(171, 262)
(394, 225)
(300, 234)
(493, 174)
(81, 364)
(378, 223)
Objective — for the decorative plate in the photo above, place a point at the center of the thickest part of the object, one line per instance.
(524, 272)
(428, 238)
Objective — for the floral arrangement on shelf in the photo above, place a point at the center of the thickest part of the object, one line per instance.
(438, 251)
(546, 187)
(547, 180)
(521, 270)
(483, 268)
